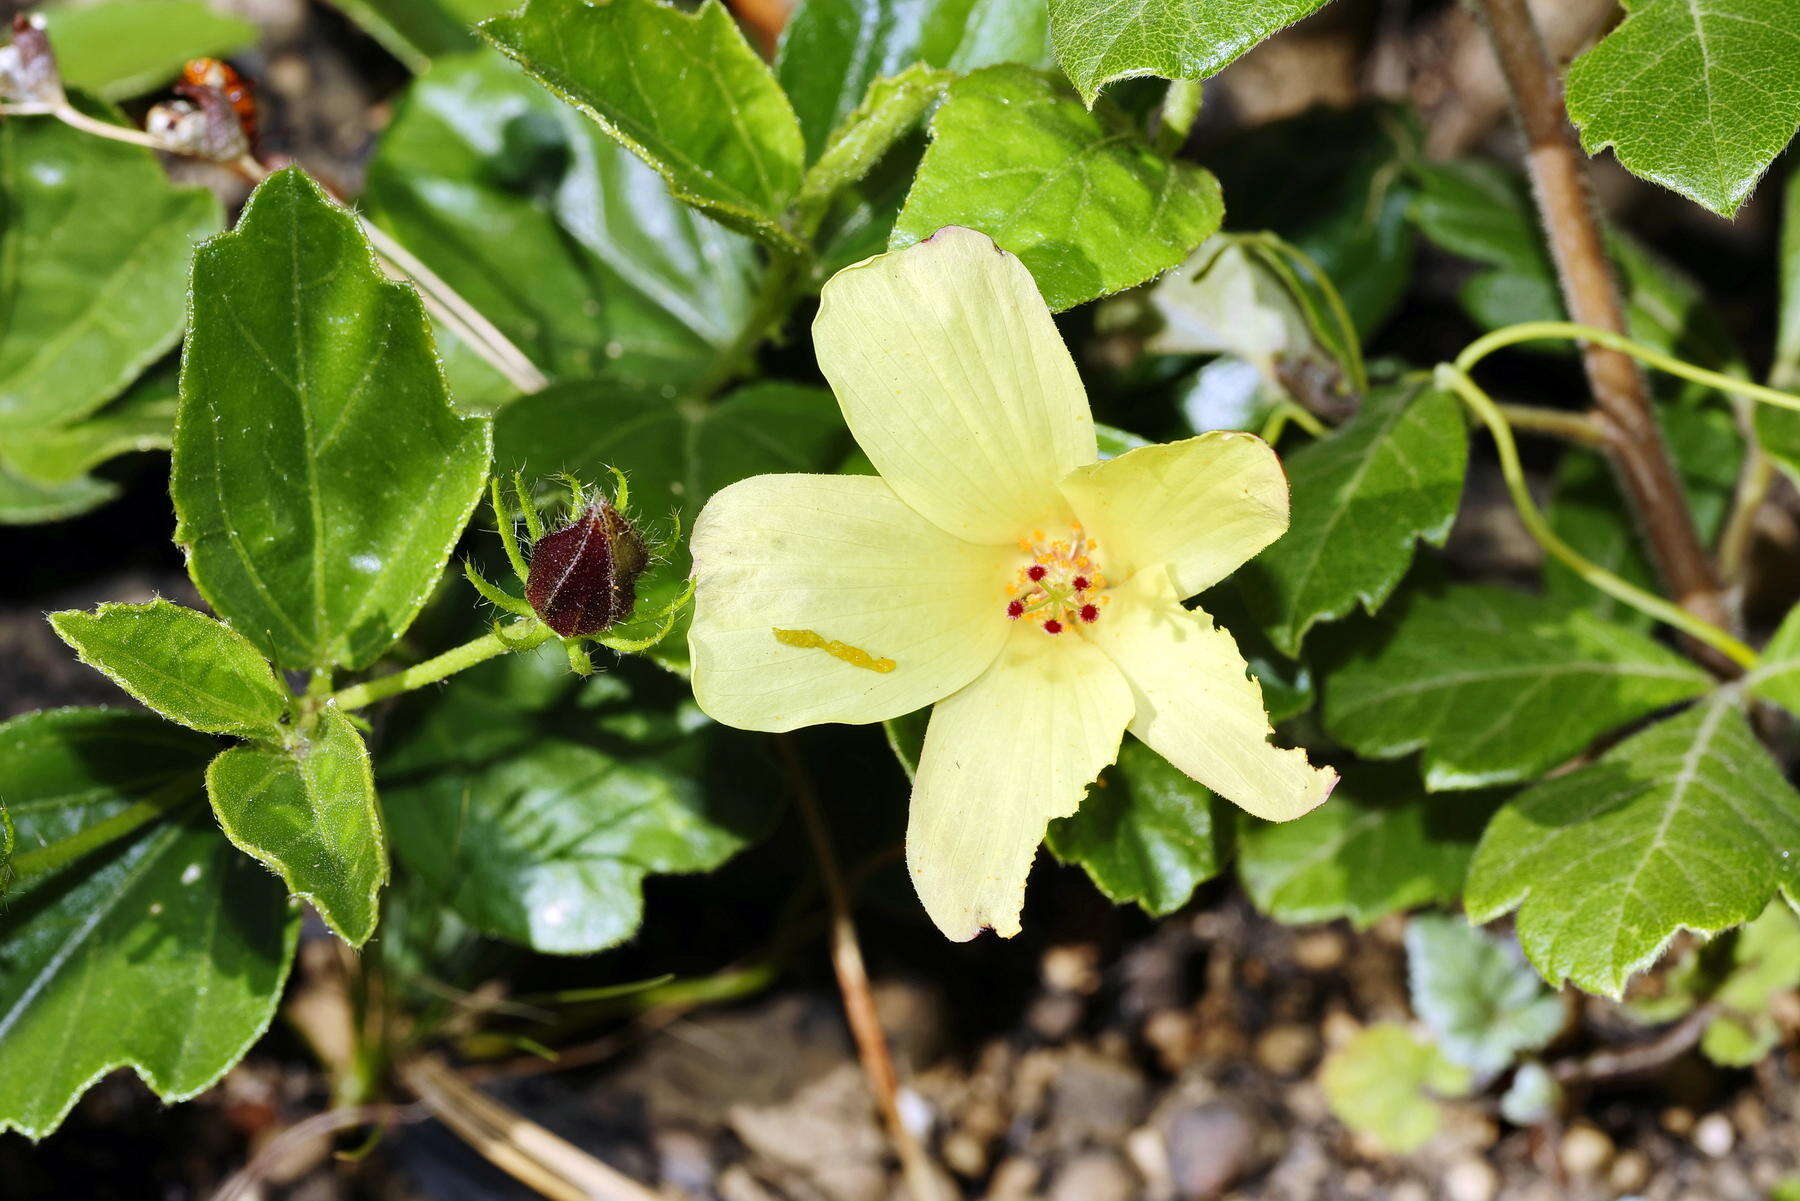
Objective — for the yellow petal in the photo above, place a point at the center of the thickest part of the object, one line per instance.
(955, 382)
(1197, 705)
(1200, 508)
(1002, 757)
(845, 559)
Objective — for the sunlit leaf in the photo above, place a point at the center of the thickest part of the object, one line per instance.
(320, 474)
(1495, 687)
(1686, 825)
(308, 811)
(181, 663)
(1083, 201)
(1361, 498)
(1385, 1082)
(1696, 95)
(1483, 1003)
(1098, 41)
(124, 48)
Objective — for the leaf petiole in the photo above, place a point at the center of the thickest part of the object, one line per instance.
(524, 634)
(1454, 378)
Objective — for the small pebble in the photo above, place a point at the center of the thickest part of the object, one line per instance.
(1149, 1154)
(1409, 1190)
(1339, 1028)
(1471, 1180)
(1287, 1049)
(1714, 1136)
(1677, 1121)
(1319, 950)
(1630, 1172)
(1210, 1146)
(1094, 1176)
(1016, 1179)
(1073, 968)
(1585, 1150)
(965, 1154)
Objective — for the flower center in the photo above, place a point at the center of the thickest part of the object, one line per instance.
(1059, 585)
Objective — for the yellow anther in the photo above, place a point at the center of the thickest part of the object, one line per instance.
(855, 656)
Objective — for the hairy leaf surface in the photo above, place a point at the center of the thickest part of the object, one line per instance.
(321, 476)
(164, 951)
(1078, 196)
(1495, 687)
(1686, 825)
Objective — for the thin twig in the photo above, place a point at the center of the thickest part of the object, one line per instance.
(1641, 1059)
(516, 1145)
(1621, 398)
(242, 1182)
(853, 980)
(1571, 427)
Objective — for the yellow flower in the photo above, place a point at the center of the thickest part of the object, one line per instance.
(994, 569)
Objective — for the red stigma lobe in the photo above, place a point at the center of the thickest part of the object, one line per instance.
(1053, 626)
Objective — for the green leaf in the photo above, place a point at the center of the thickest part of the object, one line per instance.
(1385, 1083)
(321, 476)
(538, 824)
(124, 48)
(164, 952)
(1380, 846)
(1764, 962)
(573, 248)
(1534, 1096)
(1145, 833)
(1098, 41)
(418, 31)
(91, 288)
(1495, 686)
(676, 452)
(1483, 211)
(23, 502)
(308, 812)
(141, 419)
(1334, 183)
(1698, 97)
(1390, 476)
(1777, 677)
(1686, 825)
(1483, 1004)
(893, 106)
(1779, 429)
(1588, 512)
(832, 51)
(725, 139)
(182, 664)
(1078, 196)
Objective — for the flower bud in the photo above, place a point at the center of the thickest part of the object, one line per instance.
(583, 577)
(28, 73)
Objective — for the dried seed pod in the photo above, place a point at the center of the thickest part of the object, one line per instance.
(219, 76)
(583, 577)
(28, 73)
(203, 124)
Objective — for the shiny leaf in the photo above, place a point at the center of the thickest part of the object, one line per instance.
(1098, 41)
(141, 419)
(124, 48)
(1145, 833)
(574, 249)
(418, 31)
(1361, 498)
(164, 952)
(1378, 846)
(321, 476)
(1084, 202)
(682, 90)
(92, 289)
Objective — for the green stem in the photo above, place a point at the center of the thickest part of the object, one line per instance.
(1282, 257)
(1533, 331)
(1571, 427)
(1181, 104)
(1455, 379)
(766, 313)
(1288, 412)
(524, 634)
(85, 841)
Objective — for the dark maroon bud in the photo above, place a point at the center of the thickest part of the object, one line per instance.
(583, 577)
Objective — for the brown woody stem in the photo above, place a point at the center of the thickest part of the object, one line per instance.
(1622, 409)
(853, 981)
